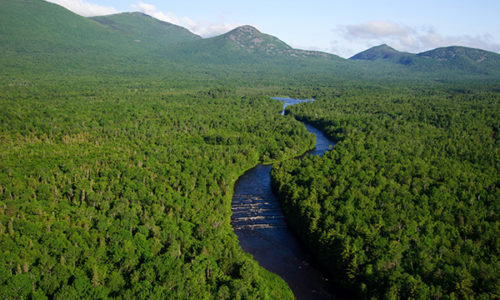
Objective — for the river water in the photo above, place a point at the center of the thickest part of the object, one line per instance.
(260, 225)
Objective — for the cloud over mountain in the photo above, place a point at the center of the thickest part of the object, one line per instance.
(376, 29)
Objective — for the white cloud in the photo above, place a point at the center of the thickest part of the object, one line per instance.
(85, 8)
(202, 28)
(375, 29)
(411, 39)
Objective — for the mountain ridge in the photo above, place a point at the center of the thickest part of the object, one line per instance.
(140, 26)
(249, 37)
(383, 51)
(453, 58)
(44, 36)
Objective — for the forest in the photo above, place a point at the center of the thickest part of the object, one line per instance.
(113, 188)
(406, 205)
(118, 193)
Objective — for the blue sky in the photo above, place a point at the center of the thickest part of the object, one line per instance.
(340, 27)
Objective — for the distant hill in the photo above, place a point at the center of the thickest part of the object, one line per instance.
(465, 59)
(243, 46)
(454, 58)
(455, 53)
(378, 52)
(253, 41)
(385, 52)
(41, 38)
(147, 30)
(46, 38)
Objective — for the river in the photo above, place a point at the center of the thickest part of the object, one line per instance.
(260, 225)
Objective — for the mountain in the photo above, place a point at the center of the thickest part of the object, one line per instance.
(243, 46)
(455, 53)
(252, 40)
(378, 52)
(441, 60)
(142, 28)
(384, 52)
(34, 26)
(463, 58)
(45, 38)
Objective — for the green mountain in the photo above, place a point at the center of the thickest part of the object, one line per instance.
(50, 40)
(384, 52)
(45, 38)
(146, 30)
(251, 40)
(246, 45)
(35, 26)
(465, 59)
(441, 60)
(378, 52)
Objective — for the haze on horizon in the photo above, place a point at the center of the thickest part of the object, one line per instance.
(334, 26)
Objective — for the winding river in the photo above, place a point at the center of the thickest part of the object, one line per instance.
(263, 232)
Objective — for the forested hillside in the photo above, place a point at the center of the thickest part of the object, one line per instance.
(407, 203)
(449, 62)
(146, 30)
(49, 40)
(128, 194)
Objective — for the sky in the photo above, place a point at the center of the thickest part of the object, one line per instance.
(343, 28)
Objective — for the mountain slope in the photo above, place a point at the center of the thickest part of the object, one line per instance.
(253, 41)
(452, 60)
(142, 28)
(463, 58)
(248, 46)
(46, 38)
(378, 52)
(384, 52)
(36, 26)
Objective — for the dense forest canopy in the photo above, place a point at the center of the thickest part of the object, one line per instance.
(406, 205)
(128, 194)
(125, 190)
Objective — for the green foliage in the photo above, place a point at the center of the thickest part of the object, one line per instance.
(121, 138)
(52, 42)
(126, 194)
(406, 204)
